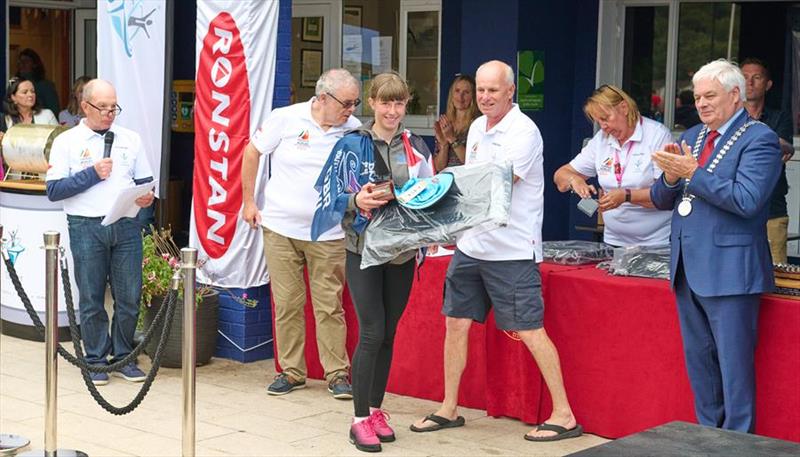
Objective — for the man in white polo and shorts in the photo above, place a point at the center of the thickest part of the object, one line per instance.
(299, 138)
(498, 268)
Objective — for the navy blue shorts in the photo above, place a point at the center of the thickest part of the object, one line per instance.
(512, 287)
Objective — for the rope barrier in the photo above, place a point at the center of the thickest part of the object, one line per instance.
(166, 312)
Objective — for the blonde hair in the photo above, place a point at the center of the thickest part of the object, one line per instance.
(74, 106)
(389, 86)
(473, 112)
(608, 96)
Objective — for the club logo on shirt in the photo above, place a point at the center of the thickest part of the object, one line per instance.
(473, 153)
(605, 167)
(86, 158)
(302, 139)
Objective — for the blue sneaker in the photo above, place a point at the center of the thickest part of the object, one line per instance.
(131, 372)
(340, 388)
(99, 379)
(283, 384)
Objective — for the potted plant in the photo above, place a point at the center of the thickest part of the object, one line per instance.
(160, 260)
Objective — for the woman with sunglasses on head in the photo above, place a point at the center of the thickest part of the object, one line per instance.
(21, 107)
(364, 167)
(619, 155)
(451, 128)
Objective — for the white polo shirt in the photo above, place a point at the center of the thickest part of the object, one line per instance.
(629, 224)
(299, 148)
(79, 148)
(517, 140)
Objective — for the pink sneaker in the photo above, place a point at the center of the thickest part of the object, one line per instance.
(364, 437)
(382, 430)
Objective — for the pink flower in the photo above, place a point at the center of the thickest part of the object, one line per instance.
(165, 256)
(146, 261)
(151, 276)
(173, 262)
(244, 296)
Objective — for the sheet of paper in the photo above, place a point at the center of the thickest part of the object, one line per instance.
(125, 204)
(381, 54)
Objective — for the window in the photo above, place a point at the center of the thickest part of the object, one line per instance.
(372, 43)
(653, 47)
(645, 58)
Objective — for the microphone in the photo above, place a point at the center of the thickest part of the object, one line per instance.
(109, 140)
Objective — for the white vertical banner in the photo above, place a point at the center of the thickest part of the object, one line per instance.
(236, 52)
(130, 55)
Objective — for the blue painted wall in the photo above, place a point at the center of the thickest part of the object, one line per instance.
(3, 43)
(569, 41)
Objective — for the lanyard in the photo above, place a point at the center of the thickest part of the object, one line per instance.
(619, 170)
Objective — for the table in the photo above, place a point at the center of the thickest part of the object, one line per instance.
(619, 343)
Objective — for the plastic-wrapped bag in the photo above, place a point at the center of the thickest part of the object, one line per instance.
(641, 261)
(576, 252)
(479, 197)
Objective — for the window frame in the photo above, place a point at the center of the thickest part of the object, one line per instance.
(421, 123)
(611, 44)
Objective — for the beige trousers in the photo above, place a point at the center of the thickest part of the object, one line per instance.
(777, 230)
(286, 258)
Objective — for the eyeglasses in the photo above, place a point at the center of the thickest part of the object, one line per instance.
(115, 111)
(347, 104)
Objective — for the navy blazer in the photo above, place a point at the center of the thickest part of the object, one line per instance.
(723, 240)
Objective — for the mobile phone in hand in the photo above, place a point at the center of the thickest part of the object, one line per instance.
(383, 190)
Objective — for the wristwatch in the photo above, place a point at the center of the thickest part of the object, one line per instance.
(628, 195)
(455, 143)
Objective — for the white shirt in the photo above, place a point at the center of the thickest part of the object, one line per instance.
(629, 224)
(299, 148)
(517, 140)
(43, 117)
(79, 148)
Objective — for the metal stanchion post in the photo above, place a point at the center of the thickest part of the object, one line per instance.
(189, 359)
(9, 444)
(51, 242)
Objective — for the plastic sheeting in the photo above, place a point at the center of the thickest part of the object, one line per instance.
(641, 261)
(576, 252)
(479, 198)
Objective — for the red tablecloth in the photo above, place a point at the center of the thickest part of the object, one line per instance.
(622, 358)
(620, 348)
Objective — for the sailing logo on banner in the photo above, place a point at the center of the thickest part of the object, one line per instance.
(130, 20)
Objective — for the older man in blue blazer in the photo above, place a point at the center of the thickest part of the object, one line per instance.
(718, 183)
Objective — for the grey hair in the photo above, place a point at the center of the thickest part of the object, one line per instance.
(91, 86)
(334, 79)
(724, 72)
(508, 72)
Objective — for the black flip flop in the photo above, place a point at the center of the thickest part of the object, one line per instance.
(441, 423)
(561, 432)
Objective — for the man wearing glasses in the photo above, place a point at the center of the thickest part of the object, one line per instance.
(298, 140)
(87, 183)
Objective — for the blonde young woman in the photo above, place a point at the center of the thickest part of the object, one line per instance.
(619, 155)
(452, 127)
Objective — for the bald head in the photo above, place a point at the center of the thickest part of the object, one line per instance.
(494, 87)
(98, 88)
(497, 69)
(99, 104)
